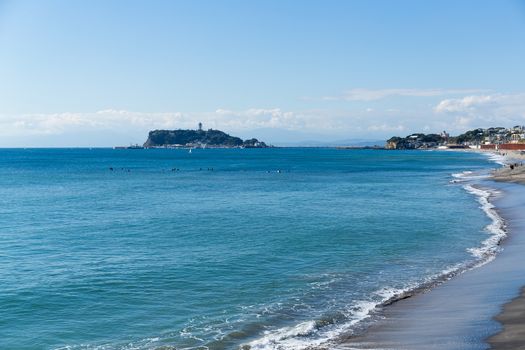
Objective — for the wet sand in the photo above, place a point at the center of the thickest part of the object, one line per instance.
(459, 314)
(512, 337)
(508, 174)
(512, 318)
(514, 169)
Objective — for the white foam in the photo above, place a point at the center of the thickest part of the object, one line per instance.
(467, 176)
(286, 337)
(462, 174)
(496, 228)
(496, 158)
(490, 246)
(309, 334)
(306, 334)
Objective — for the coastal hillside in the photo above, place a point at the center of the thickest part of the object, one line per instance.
(415, 141)
(490, 138)
(198, 138)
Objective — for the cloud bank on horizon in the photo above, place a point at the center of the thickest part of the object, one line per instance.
(455, 115)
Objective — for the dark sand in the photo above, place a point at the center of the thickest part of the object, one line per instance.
(510, 175)
(512, 337)
(459, 314)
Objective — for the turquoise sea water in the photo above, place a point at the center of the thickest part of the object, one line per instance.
(263, 248)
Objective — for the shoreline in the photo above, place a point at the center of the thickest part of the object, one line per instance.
(512, 314)
(459, 314)
(513, 167)
(419, 320)
(512, 336)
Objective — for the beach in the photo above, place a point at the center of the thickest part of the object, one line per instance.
(483, 307)
(512, 317)
(513, 170)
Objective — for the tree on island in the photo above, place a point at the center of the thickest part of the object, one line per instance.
(195, 138)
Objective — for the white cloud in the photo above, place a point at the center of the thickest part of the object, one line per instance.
(132, 126)
(116, 126)
(58, 123)
(378, 94)
(484, 110)
(387, 128)
(467, 103)
(112, 119)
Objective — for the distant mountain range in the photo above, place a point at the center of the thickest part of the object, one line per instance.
(300, 138)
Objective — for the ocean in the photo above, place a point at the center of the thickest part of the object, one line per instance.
(227, 248)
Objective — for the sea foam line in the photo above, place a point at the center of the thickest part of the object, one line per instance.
(316, 334)
(496, 229)
(309, 334)
(496, 158)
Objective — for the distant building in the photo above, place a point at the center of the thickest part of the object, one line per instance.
(519, 129)
(491, 138)
(445, 136)
(516, 138)
(200, 126)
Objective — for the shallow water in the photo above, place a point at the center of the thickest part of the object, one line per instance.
(276, 248)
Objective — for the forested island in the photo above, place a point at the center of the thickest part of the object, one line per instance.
(198, 139)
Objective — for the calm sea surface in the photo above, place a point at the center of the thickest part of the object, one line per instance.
(268, 248)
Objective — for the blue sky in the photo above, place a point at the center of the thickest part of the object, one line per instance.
(96, 73)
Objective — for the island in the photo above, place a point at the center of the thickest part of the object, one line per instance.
(187, 138)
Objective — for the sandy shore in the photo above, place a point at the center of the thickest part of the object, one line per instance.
(512, 337)
(514, 168)
(512, 316)
(514, 172)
